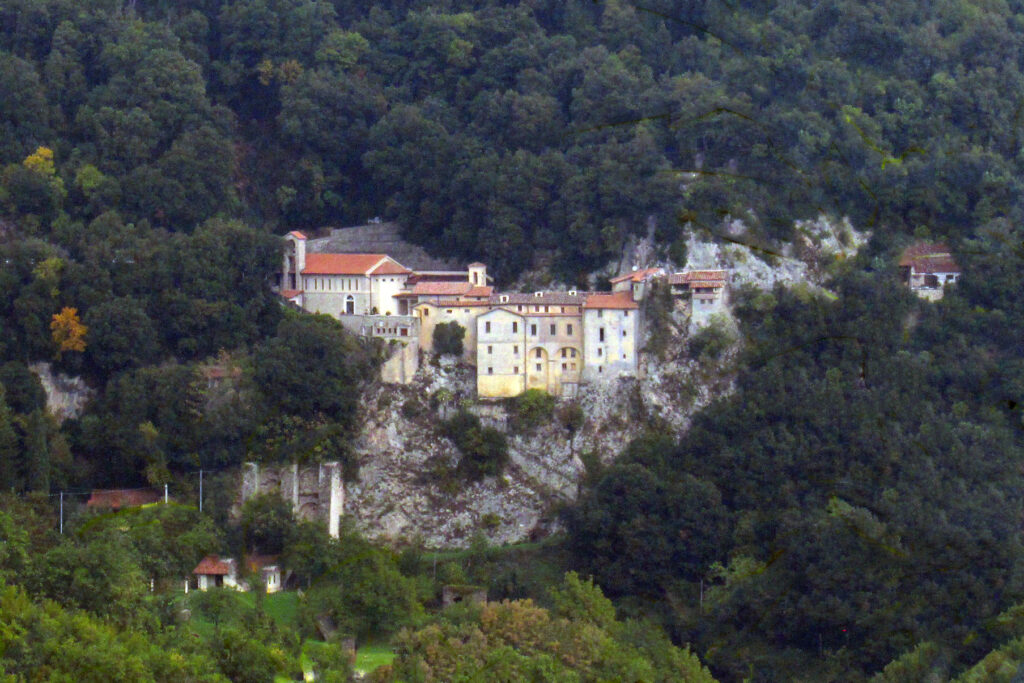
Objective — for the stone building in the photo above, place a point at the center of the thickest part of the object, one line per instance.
(637, 283)
(611, 324)
(315, 492)
(927, 268)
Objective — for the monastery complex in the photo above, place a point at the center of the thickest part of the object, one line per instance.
(550, 340)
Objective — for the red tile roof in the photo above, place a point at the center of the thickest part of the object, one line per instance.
(390, 267)
(700, 278)
(476, 264)
(212, 564)
(341, 264)
(928, 257)
(120, 498)
(296, 234)
(290, 293)
(636, 275)
(617, 300)
(480, 292)
(442, 288)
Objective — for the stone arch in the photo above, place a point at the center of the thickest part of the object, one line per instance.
(350, 305)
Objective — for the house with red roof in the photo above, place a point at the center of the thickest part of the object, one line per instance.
(214, 571)
(637, 282)
(927, 267)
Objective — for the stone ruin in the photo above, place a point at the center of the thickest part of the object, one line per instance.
(316, 491)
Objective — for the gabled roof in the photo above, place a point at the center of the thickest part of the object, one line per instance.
(390, 267)
(290, 293)
(212, 564)
(637, 275)
(297, 235)
(616, 300)
(341, 264)
(929, 257)
(477, 264)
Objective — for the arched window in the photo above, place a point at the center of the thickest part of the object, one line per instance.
(350, 305)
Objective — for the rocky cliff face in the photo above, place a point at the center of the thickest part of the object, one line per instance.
(406, 489)
(65, 396)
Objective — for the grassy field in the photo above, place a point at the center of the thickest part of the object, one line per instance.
(370, 657)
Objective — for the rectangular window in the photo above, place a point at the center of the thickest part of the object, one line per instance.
(572, 353)
(623, 333)
(538, 353)
(625, 314)
(600, 313)
(515, 369)
(487, 326)
(533, 330)
(565, 366)
(490, 350)
(553, 328)
(490, 371)
(519, 308)
(599, 353)
(564, 352)
(546, 309)
(600, 334)
(568, 328)
(448, 310)
(600, 369)
(538, 367)
(515, 350)
(563, 309)
(515, 327)
(426, 312)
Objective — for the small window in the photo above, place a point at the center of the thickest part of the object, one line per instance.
(625, 314)
(553, 328)
(490, 371)
(515, 350)
(519, 308)
(515, 327)
(546, 309)
(490, 350)
(538, 353)
(538, 367)
(426, 312)
(448, 311)
(565, 353)
(487, 326)
(568, 328)
(623, 356)
(599, 353)
(623, 333)
(600, 334)
(536, 309)
(533, 330)
(572, 353)
(515, 369)
(600, 369)
(565, 366)
(563, 309)
(600, 313)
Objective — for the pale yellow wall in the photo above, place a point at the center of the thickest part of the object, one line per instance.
(431, 314)
(501, 354)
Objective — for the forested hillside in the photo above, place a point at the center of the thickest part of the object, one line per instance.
(498, 130)
(857, 500)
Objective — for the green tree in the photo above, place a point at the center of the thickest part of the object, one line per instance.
(448, 338)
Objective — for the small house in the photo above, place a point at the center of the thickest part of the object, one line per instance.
(267, 569)
(215, 572)
(927, 267)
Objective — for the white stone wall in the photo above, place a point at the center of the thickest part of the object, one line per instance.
(614, 355)
(384, 288)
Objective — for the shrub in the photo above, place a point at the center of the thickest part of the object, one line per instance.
(484, 449)
(532, 408)
(448, 338)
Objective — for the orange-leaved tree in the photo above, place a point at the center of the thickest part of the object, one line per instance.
(68, 331)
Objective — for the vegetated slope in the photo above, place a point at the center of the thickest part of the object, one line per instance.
(858, 494)
(501, 130)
